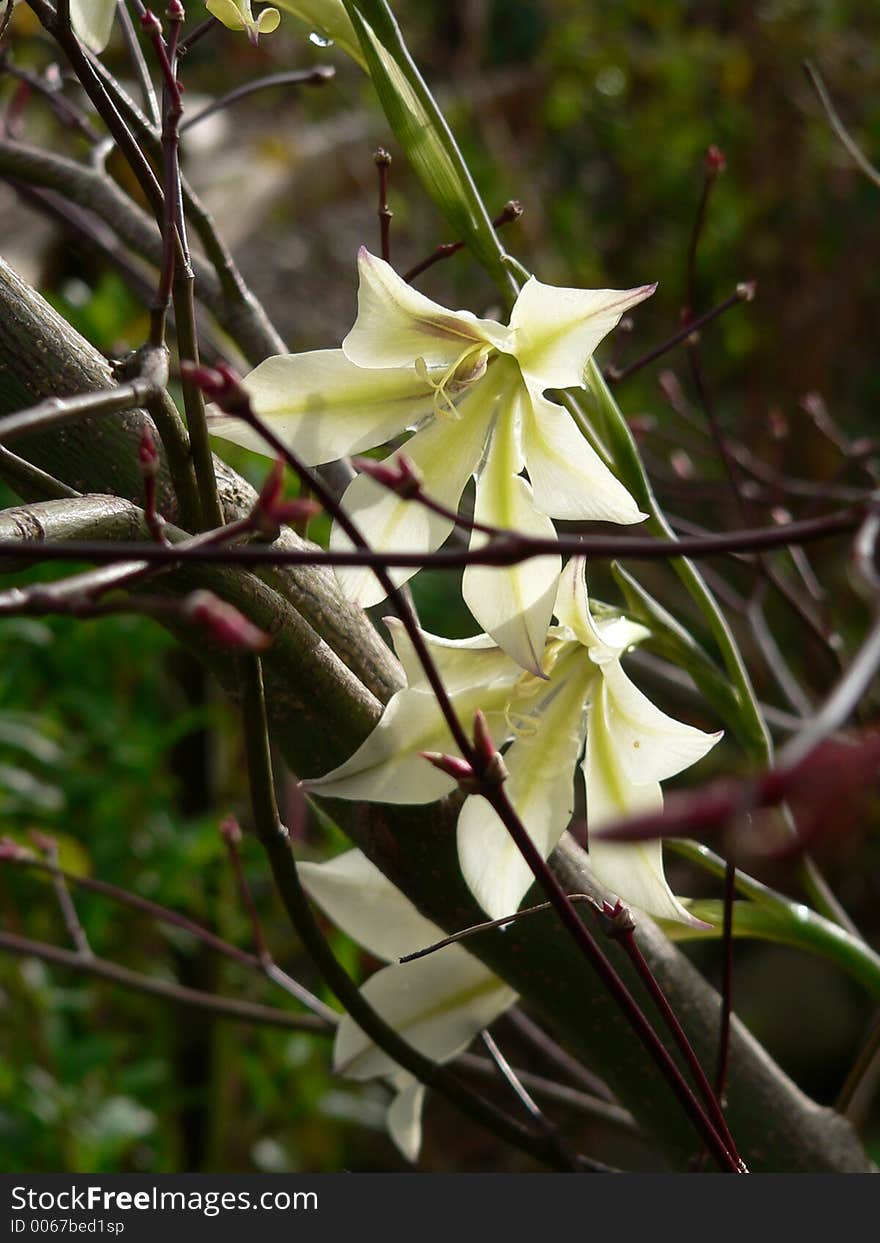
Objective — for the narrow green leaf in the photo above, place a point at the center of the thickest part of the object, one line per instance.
(424, 135)
(786, 924)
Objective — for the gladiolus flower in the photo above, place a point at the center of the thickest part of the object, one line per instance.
(438, 1003)
(473, 392)
(238, 15)
(583, 715)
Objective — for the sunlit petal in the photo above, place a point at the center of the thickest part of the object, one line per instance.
(438, 1004)
(404, 1117)
(396, 324)
(651, 746)
(461, 663)
(324, 407)
(361, 901)
(631, 870)
(387, 767)
(607, 639)
(446, 453)
(513, 604)
(92, 20)
(558, 329)
(540, 786)
(268, 21)
(568, 477)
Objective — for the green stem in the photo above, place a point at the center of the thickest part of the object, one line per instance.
(771, 916)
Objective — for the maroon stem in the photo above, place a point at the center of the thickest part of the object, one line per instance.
(497, 797)
(502, 551)
(637, 958)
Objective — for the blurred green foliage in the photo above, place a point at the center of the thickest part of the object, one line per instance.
(597, 117)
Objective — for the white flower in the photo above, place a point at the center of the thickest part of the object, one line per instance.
(437, 1003)
(584, 697)
(473, 392)
(92, 21)
(238, 15)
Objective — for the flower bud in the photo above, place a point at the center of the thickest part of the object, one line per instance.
(402, 476)
(224, 623)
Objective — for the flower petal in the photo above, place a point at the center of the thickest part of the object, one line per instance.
(438, 1004)
(606, 640)
(268, 21)
(513, 604)
(572, 606)
(631, 870)
(446, 452)
(540, 786)
(324, 407)
(556, 330)
(388, 767)
(651, 745)
(396, 324)
(362, 901)
(461, 663)
(404, 1117)
(568, 477)
(92, 21)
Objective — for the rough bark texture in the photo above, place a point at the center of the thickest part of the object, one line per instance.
(326, 676)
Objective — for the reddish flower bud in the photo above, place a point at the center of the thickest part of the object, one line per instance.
(148, 455)
(715, 162)
(619, 917)
(483, 741)
(270, 493)
(224, 623)
(230, 830)
(150, 24)
(175, 11)
(402, 476)
(220, 384)
(271, 510)
(43, 841)
(300, 509)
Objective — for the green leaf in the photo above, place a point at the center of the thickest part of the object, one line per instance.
(424, 135)
(787, 924)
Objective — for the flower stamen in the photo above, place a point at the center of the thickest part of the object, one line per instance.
(469, 367)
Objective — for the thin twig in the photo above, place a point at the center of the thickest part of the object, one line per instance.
(861, 1082)
(585, 1103)
(138, 63)
(164, 915)
(621, 926)
(488, 925)
(319, 76)
(510, 212)
(724, 1025)
(844, 136)
(75, 930)
(505, 551)
(221, 1007)
(744, 292)
(274, 839)
(55, 411)
(382, 160)
(532, 1108)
